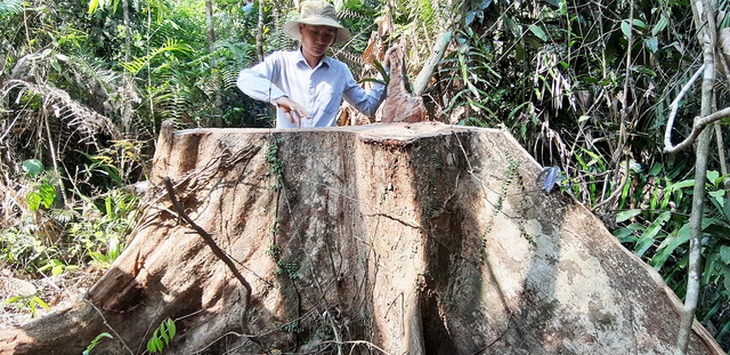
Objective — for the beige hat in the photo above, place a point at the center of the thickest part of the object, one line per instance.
(317, 13)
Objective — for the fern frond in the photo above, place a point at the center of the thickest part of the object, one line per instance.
(96, 71)
(229, 77)
(77, 124)
(8, 7)
(350, 58)
(352, 15)
(172, 45)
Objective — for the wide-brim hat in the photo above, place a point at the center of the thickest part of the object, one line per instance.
(317, 13)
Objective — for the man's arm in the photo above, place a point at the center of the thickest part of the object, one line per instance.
(258, 83)
(293, 111)
(366, 102)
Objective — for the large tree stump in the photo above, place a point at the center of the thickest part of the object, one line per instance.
(417, 239)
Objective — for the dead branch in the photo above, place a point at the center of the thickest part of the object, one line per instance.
(208, 238)
(697, 127)
(424, 76)
(675, 106)
(103, 319)
(699, 124)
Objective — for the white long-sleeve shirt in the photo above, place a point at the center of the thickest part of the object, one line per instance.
(319, 90)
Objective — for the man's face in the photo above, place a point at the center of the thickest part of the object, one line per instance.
(316, 39)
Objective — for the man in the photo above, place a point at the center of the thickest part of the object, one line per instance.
(305, 85)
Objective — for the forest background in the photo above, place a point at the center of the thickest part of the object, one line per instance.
(587, 87)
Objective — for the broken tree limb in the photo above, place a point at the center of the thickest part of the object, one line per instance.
(699, 124)
(424, 76)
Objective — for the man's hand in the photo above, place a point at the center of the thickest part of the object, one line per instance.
(294, 111)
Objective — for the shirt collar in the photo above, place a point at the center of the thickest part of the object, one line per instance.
(324, 61)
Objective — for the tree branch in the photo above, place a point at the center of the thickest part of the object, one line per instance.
(706, 34)
(424, 76)
(668, 147)
(699, 125)
(208, 238)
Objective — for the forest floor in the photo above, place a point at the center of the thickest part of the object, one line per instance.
(21, 296)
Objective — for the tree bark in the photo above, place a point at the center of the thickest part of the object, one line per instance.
(260, 32)
(210, 24)
(405, 238)
(706, 28)
(126, 78)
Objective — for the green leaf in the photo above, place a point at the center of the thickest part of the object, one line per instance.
(639, 24)
(32, 167)
(383, 72)
(710, 266)
(513, 27)
(517, 109)
(660, 25)
(680, 185)
(96, 340)
(13, 300)
(171, 329)
(155, 345)
(372, 80)
(725, 254)
(167, 331)
(47, 193)
(40, 302)
(151, 346)
(538, 32)
(115, 248)
(57, 270)
(712, 176)
(625, 215)
(625, 28)
(666, 248)
(644, 70)
(626, 235)
(93, 5)
(652, 43)
(163, 332)
(33, 199)
(656, 169)
(647, 239)
(719, 196)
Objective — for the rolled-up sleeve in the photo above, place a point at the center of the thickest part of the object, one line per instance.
(258, 81)
(364, 101)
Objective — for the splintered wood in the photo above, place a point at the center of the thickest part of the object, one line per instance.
(400, 105)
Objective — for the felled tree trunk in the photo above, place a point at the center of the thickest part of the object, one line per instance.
(420, 239)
